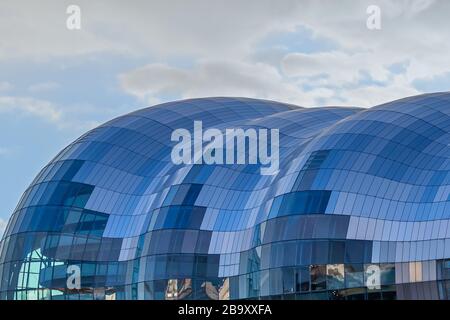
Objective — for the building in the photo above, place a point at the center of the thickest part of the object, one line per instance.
(360, 209)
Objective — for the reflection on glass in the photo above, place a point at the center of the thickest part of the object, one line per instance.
(335, 276)
(354, 275)
(224, 290)
(318, 277)
(387, 271)
(178, 289)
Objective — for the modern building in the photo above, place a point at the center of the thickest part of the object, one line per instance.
(359, 209)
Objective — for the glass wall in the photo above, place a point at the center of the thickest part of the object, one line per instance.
(359, 209)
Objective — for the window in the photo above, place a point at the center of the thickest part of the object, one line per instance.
(355, 251)
(335, 276)
(318, 275)
(276, 281)
(387, 274)
(354, 275)
(289, 285)
(336, 252)
(319, 252)
(302, 279)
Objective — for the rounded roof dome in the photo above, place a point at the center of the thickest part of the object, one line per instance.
(352, 174)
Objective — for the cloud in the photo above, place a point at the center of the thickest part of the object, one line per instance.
(216, 78)
(353, 79)
(207, 33)
(77, 118)
(340, 68)
(38, 31)
(356, 71)
(30, 106)
(204, 27)
(411, 31)
(157, 28)
(220, 78)
(359, 69)
(371, 95)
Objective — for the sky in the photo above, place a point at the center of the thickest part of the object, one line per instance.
(57, 83)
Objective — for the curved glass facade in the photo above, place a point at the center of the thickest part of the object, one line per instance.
(360, 208)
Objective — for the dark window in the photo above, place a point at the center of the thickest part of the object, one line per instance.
(318, 277)
(289, 283)
(302, 279)
(355, 251)
(319, 252)
(336, 252)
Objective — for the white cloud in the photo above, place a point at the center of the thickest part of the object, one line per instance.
(207, 28)
(412, 30)
(209, 33)
(356, 72)
(346, 75)
(147, 27)
(30, 106)
(217, 78)
(341, 68)
(77, 118)
(38, 30)
(371, 95)
(220, 78)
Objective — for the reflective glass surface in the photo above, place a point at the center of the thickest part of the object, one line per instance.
(360, 208)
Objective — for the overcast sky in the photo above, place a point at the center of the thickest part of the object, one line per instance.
(56, 83)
